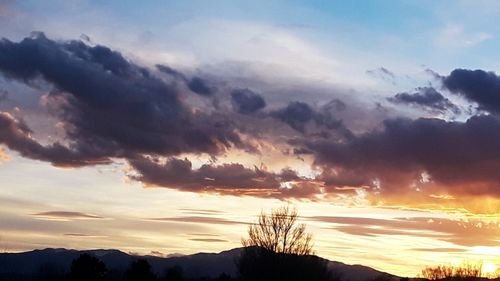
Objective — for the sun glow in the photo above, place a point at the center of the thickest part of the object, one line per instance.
(489, 268)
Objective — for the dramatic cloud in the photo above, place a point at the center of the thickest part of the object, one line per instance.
(109, 106)
(427, 98)
(450, 157)
(477, 86)
(246, 102)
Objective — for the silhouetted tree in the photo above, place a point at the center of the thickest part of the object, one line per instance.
(87, 268)
(175, 273)
(140, 270)
(279, 249)
(279, 232)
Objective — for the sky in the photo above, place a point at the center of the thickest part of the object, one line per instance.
(165, 127)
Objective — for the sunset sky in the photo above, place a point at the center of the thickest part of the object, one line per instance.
(165, 127)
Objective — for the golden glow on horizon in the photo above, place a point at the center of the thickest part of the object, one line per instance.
(126, 209)
(489, 268)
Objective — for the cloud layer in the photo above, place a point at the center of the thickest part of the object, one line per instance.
(109, 108)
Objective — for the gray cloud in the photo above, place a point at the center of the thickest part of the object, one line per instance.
(427, 98)
(66, 215)
(300, 115)
(200, 86)
(477, 86)
(3, 95)
(246, 101)
(209, 240)
(16, 135)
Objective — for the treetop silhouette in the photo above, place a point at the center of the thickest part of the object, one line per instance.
(279, 232)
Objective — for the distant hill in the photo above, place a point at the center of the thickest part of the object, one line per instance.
(202, 264)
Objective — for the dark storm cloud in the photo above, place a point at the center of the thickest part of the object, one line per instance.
(110, 106)
(477, 86)
(426, 98)
(246, 101)
(200, 86)
(299, 115)
(296, 114)
(462, 157)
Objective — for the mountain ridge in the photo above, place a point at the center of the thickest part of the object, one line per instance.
(195, 265)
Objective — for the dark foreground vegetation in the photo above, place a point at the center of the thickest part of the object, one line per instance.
(278, 248)
(255, 264)
(89, 268)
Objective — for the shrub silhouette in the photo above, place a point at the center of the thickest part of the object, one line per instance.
(279, 249)
(87, 268)
(140, 270)
(466, 270)
(175, 273)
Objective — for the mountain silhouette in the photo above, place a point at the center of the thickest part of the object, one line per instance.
(28, 264)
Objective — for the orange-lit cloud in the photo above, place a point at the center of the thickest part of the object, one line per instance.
(3, 155)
